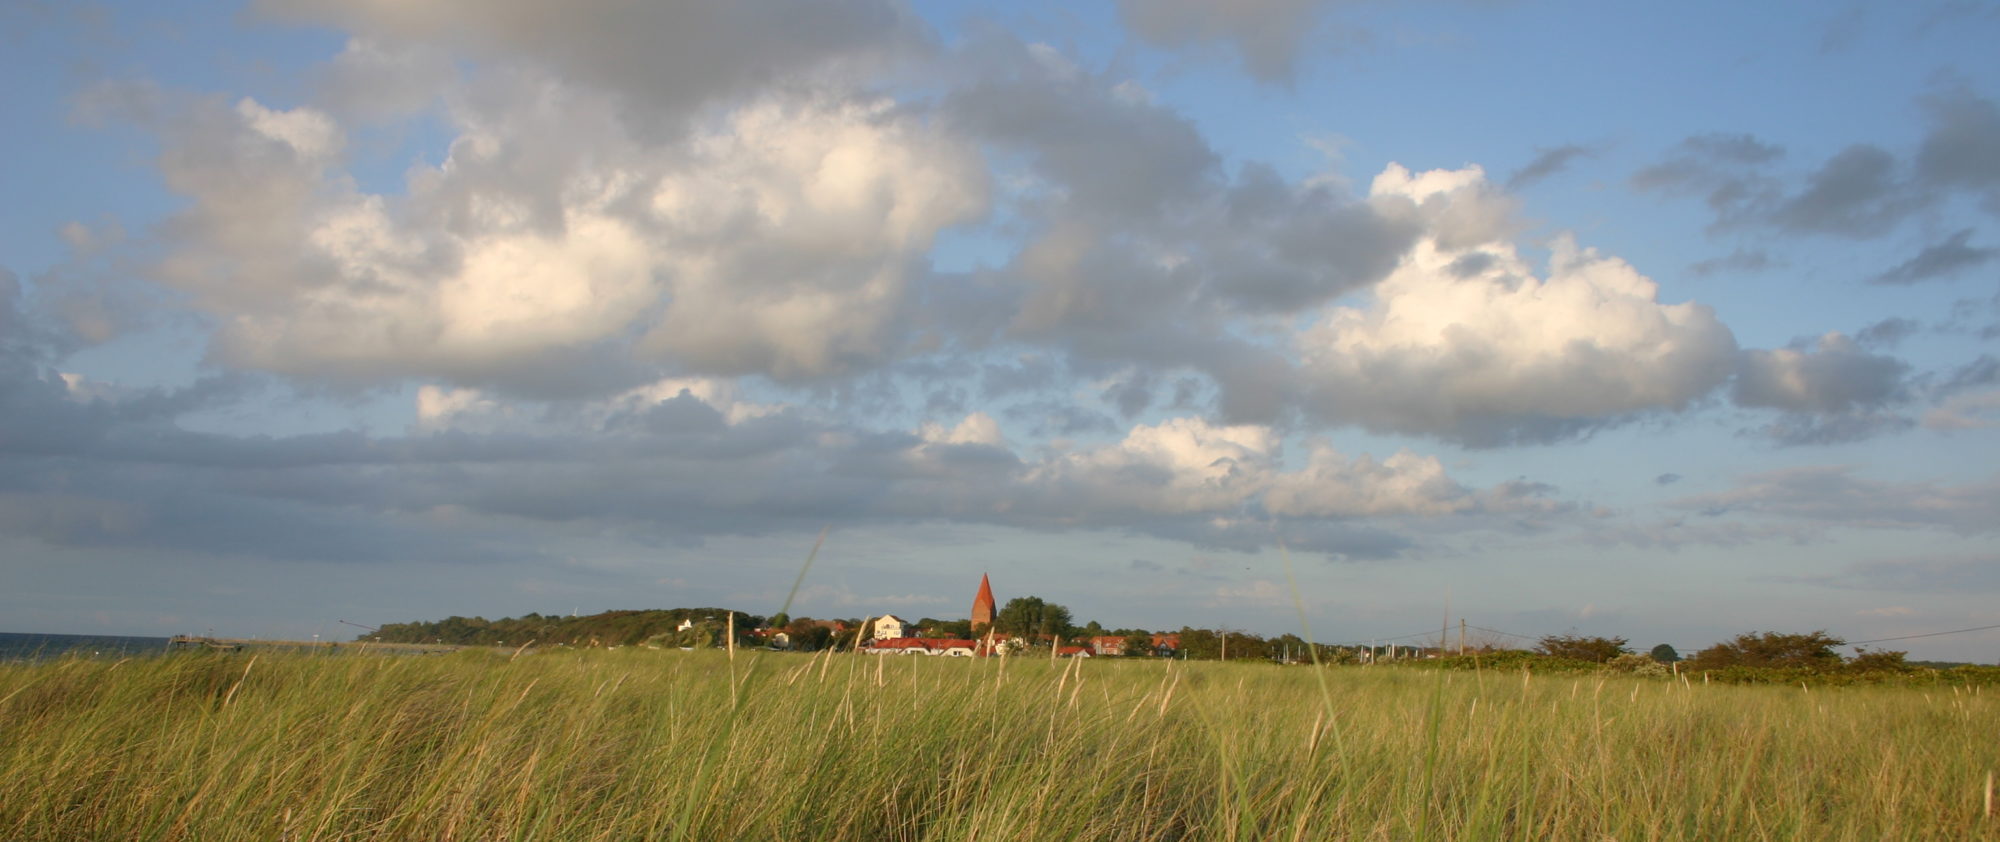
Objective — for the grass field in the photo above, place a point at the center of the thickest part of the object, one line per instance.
(646, 745)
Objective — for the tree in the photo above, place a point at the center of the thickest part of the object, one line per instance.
(1138, 644)
(1771, 649)
(1289, 646)
(960, 629)
(1596, 650)
(808, 636)
(1664, 653)
(1247, 646)
(1030, 616)
(1880, 660)
(1200, 644)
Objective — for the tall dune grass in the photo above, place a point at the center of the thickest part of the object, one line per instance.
(630, 745)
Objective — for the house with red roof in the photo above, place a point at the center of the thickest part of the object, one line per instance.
(941, 646)
(1107, 644)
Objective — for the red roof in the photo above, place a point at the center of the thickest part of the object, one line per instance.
(919, 643)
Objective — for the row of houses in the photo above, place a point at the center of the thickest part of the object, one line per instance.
(894, 635)
(946, 647)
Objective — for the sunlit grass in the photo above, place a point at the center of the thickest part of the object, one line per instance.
(627, 745)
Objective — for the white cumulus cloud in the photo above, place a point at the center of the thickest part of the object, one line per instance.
(1466, 343)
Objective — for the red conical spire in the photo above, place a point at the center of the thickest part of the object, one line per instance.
(982, 605)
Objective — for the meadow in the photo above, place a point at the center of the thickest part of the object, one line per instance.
(655, 745)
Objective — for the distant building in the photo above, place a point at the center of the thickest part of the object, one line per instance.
(1109, 644)
(890, 627)
(940, 646)
(982, 605)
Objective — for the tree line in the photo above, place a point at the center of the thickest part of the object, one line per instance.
(1039, 622)
(1811, 651)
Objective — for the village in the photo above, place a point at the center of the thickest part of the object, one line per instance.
(893, 635)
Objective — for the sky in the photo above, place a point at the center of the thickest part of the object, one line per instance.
(1668, 322)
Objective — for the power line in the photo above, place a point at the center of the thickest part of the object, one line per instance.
(1915, 636)
(1505, 634)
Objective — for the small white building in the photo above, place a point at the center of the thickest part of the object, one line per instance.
(890, 627)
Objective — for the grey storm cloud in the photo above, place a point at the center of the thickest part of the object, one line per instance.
(1828, 391)
(1833, 495)
(664, 57)
(1547, 162)
(1109, 155)
(1804, 429)
(1720, 164)
(1740, 260)
(1962, 149)
(1264, 35)
(1856, 193)
(1943, 259)
(1829, 375)
(1974, 574)
(1863, 191)
(1887, 333)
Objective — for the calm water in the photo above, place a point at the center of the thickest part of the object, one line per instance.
(29, 646)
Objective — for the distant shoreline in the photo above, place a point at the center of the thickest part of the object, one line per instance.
(18, 646)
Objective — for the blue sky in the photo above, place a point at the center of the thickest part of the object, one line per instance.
(1668, 323)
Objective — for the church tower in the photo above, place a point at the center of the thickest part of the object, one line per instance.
(982, 605)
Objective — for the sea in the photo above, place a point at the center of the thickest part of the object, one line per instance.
(31, 647)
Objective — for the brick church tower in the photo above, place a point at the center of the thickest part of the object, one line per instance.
(982, 605)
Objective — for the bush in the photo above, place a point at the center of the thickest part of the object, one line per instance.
(1578, 648)
(1812, 651)
(1637, 664)
(1505, 660)
(1880, 660)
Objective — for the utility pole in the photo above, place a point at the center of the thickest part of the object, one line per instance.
(1461, 636)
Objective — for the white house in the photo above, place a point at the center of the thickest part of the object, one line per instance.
(890, 627)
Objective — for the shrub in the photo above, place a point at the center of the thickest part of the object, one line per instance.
(1771, 649)
(1579, 648)
(1880, 660)
(1637, 664)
